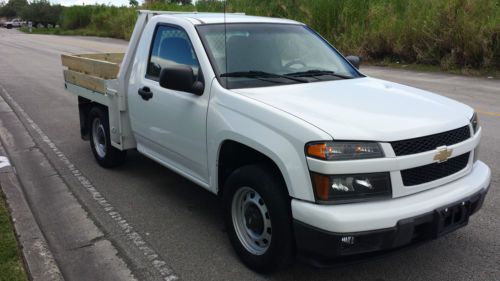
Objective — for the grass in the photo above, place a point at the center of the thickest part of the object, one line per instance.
(11, 266)
(449, 34)
(99, 20)
(446, 33)
(72, 32)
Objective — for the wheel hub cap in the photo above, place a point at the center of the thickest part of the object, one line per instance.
(254, 220)
(251, 220)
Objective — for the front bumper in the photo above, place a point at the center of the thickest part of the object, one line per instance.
(331, 231)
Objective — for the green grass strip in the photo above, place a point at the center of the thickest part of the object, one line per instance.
(11, 266)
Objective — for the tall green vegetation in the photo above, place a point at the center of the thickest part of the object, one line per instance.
(110, 21)
(448, 33)
(100, 20)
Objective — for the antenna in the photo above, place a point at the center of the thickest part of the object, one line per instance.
(225, 40)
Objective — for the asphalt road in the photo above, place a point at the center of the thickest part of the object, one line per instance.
(183, 223)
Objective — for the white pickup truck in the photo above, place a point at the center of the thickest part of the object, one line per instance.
(14, 23)
(310, 156)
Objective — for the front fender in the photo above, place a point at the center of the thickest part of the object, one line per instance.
(274, 133)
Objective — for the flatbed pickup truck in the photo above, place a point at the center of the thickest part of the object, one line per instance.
(14, 23)
(310, 156)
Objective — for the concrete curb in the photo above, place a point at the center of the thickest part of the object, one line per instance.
(72, 239)
(39, 261)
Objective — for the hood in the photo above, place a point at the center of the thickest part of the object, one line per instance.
(366, 108)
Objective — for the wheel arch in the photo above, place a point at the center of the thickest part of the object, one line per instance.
(234, 154)
(84, 107)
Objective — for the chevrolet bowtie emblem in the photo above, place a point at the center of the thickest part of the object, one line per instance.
(443, 154)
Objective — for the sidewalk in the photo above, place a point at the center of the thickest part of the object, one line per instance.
(58, 239)
(40, 263)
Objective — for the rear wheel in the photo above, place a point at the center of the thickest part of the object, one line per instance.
(258, 218)
(100, 142)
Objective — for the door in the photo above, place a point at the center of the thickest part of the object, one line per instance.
(169, 125)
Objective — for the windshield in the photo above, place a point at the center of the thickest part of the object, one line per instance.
(260, 55)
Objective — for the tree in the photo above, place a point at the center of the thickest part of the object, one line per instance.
(133, 3)
(41, 11)
(13, 8)
(7, 12)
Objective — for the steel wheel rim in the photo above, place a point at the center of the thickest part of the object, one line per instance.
(99, 137)
(251, 220)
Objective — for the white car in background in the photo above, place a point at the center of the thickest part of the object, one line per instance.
(14, 23)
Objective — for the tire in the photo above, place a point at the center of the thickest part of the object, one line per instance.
(100, 142)
(275, 227)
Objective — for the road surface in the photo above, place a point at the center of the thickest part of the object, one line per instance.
(183, 223)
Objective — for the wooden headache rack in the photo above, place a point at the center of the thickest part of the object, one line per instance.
(91, 71)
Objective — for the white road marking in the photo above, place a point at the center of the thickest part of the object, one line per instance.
(4, 162)
(161, 266)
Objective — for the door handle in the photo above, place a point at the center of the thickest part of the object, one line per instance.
(145, 93)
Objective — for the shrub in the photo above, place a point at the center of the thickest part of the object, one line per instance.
(76, 17)
(449, 33)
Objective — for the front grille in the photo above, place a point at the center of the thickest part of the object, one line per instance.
(434, 171)
(427, 143)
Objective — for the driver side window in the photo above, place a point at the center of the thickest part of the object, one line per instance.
(171, 46)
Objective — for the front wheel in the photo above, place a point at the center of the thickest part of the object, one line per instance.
(100, 142)
(258, 218)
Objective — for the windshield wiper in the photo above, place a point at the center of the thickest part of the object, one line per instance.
(261, 74)
(317, 72)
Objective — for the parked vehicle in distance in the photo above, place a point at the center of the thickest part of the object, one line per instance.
(311, 156)
(14, 23)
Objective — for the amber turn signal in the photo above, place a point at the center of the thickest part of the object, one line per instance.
(317, 150)
(321, 185)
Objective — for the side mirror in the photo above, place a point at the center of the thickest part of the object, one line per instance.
(354, 60)
(180, 78)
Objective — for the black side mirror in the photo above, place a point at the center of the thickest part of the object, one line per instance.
(180, 78)
(354, 60)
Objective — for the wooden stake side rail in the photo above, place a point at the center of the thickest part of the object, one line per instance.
(110, 57)
(93, 83)
(91, 70)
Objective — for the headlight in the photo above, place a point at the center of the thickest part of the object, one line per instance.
(334, 151)
(351, 188)
(475, 123)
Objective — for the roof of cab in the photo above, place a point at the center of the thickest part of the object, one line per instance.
(213, 18)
